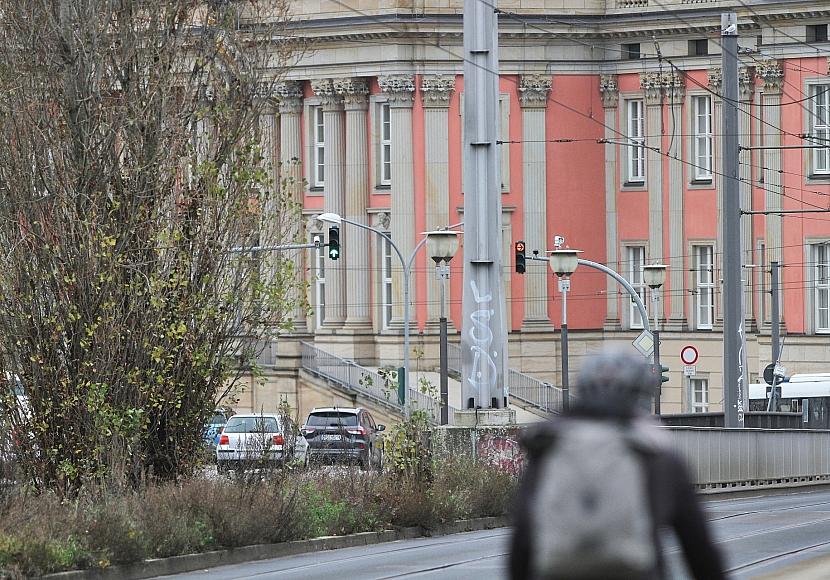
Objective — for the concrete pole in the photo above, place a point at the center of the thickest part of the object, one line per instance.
(733, 318)
(776, 326)
(483, 336)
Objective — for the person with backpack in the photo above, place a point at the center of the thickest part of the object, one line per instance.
(601, 483)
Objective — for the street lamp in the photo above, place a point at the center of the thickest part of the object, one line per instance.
(654, 275)
(563, 263)
(442, 246)
(337, 219)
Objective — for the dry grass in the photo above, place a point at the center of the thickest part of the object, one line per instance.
(39, 533)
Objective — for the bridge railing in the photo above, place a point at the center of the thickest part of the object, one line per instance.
(367, 382)
(721, 459)
(525, 388)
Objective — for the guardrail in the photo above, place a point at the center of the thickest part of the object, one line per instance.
(525, 388)
(729, 459)
(366, 382)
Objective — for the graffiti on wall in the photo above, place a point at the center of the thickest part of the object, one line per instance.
(501, 451)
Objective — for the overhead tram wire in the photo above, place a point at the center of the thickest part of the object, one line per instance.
(591, 117)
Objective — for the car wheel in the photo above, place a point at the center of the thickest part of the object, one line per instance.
(366, 461)
(379, 460)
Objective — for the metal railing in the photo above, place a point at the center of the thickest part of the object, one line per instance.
(367, 382)
(721, 459)
(350, 375)
(525, 388)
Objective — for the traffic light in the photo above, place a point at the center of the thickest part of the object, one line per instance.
(334, 242)
(662, 370)
(520, 257)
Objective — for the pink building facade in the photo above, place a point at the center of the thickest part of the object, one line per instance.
(602, 142)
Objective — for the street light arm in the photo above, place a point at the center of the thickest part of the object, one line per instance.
(381, 234)
(636, 297)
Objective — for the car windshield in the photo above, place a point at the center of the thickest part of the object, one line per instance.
(331, 419)
(251, 425)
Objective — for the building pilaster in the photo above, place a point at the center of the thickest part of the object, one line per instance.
(675, 90)
(354, 92)
(290, 98)
(746, 79)
(652, 86)
(436, 91)
(400, 90)
(773, 76)
(533, 97)
(715, 78)
(610, 99)
(334, 194)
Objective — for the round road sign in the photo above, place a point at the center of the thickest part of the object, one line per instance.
(688, 354)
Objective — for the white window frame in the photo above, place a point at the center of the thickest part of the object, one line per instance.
(635, 130)
(635, 259)
(821, 292)
(699, 395)
(319, 273)
(386, 294)
(703, 137)
(704, 256)
(820, 127)
(318, 147)
(384, 144)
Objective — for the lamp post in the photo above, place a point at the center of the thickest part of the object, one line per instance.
(654, 275)
(564, 263)
(336, 219)
(442, 246)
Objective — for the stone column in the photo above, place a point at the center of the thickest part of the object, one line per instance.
(334, 194)
(652, 86)
(773, 76)
(610, 99)
(675, 89)
(435, 92)
(746, 93)
(400, 89)
(290, 176)
(533, 97)
(355, 241)
(715, 77)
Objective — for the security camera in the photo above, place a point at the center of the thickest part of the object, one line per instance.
(558, 241)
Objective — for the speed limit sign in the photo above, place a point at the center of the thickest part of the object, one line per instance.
(688, 354)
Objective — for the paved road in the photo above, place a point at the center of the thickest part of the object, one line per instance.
(758, 535)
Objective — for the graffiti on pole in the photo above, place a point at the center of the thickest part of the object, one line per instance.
(484, 370)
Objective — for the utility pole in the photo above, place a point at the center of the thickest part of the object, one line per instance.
(483, 333)
(772, 404)
(776, 315)
(733, 316)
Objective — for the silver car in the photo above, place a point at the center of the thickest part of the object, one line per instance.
(258, 440)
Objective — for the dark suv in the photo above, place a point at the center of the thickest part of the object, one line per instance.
(338, 434)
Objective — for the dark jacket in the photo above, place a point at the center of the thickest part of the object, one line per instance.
(673, 503)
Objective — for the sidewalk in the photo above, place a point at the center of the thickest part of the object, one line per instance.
(817, 568)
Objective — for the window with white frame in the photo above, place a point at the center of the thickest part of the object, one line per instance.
(636, 259)
(820, 129)
(386, 280)
(318, 153)
(702, 111)
(319, 282)
(704, 286)
(821, 265)
(384, 144)
(699, 395)
(636, 166)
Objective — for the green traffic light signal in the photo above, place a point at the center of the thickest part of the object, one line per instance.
(334, 243)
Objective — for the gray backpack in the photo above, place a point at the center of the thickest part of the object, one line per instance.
(591, 517)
